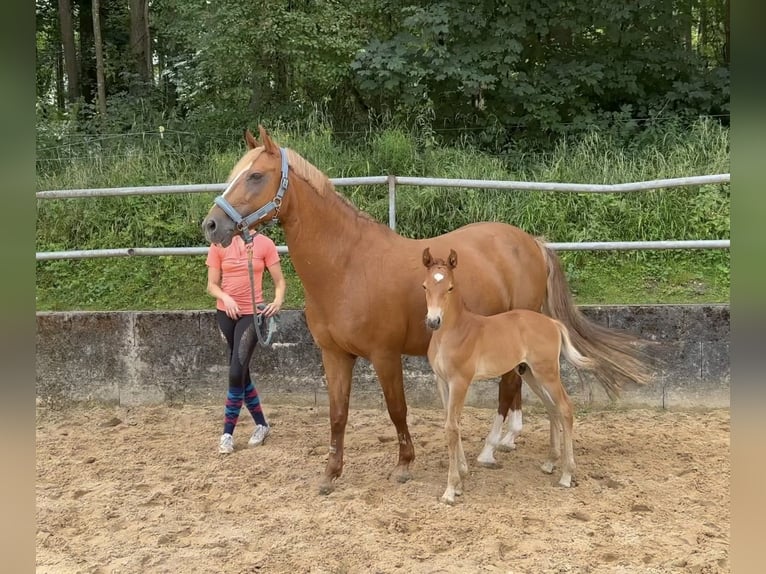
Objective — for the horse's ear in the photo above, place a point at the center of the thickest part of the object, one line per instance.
(250, 140)
(268, 143)
(427, 259)
(452, 261)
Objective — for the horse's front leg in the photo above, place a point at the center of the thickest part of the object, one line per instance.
(338, 367)
(389, 371)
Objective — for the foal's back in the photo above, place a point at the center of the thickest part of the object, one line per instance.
(514, 337)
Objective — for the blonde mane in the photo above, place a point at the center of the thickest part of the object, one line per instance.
(319, 182)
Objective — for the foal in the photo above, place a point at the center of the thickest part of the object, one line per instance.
(466, 347)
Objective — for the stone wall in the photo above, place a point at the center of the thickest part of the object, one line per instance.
(131, 358)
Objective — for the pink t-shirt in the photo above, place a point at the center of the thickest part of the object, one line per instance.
(235, 276)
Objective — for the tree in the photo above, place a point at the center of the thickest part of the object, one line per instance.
(98, 46)
(70, 55)
(140, 45)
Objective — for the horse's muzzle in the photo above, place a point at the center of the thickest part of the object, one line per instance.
(218, 229)
(433, 323)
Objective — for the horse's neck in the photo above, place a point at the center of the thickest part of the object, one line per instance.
(324, 229)
(457, 313)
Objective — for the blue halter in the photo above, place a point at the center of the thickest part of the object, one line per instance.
(243, 223)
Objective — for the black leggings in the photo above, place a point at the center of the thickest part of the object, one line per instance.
(241, 339)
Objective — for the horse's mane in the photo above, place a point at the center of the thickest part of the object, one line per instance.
(319, 182)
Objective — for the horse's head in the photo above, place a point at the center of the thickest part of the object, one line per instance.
(254, 194)
(439, 286)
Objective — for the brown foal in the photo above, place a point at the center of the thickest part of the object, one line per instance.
(467, 347)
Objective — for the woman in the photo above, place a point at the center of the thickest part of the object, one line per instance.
(228, 280)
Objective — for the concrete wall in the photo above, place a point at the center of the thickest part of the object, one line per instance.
(134, 358)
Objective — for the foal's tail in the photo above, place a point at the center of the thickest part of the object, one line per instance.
(616, 356)
(571, 354)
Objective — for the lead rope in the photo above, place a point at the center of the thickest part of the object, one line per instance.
(258, 319)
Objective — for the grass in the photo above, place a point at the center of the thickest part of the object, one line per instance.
(596, 278)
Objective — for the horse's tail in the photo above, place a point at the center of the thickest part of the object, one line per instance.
(616, 356)
(571, 354)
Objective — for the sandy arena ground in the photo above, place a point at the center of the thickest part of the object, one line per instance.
(144, 490)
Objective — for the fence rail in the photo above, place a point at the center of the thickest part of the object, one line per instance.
(392, 181)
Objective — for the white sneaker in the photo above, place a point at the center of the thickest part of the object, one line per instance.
(259, 435)
(226, 446)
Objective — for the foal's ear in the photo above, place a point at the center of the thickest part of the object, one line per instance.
(427, 259)
(250, 140)
(452, 261)
(268, 143)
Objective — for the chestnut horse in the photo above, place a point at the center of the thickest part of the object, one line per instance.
(361, 282)
(467, 347)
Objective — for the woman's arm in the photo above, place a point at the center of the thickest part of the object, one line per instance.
(280, 286)
(214, 276)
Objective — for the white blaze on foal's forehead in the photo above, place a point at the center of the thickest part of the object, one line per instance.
(438, 276)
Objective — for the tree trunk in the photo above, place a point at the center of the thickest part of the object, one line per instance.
(60, 94)
(690, 24)
(703, 31)
(99, 59)
(70, 55)
(727, 34)
(87, 57)
(140, 46)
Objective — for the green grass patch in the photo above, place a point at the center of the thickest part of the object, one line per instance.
(700, 212)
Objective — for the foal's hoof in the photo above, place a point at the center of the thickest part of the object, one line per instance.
(447, 500)
(506, 447)
(547, 467)
(492, 464)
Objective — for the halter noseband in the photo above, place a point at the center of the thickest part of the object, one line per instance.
(243, 223)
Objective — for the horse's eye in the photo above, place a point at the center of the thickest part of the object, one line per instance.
(450, 289)
(424, 286)
(255, 177)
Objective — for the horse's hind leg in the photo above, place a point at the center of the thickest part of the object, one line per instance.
(389, 371)
(509, 398)
(509, 405)
(338, 367)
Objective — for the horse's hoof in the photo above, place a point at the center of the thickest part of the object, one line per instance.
(447, 500)
(492, 464)
(567, 482)
(506, 447)
(326, 488)
(402, 476)
(547, 467)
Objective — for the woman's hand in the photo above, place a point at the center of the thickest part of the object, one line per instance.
(232, 309)
(272, 308)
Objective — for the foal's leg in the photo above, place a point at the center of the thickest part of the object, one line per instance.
(457, 393)
(566, 419)
(444, 392)
(389, 371)
(509, 397)
(533, 379)
(441, 385)
(338, 366)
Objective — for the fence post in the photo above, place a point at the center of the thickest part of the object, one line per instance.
(392, 202)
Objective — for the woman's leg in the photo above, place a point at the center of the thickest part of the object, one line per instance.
(235, 394)
(245, 341)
